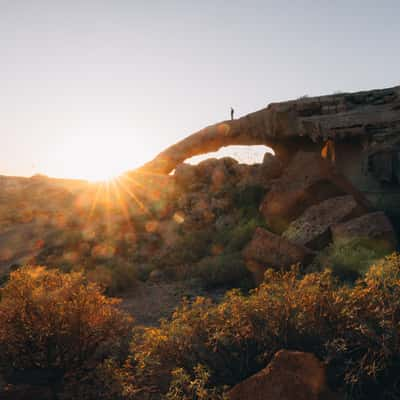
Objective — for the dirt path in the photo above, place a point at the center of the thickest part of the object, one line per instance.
(149, 302)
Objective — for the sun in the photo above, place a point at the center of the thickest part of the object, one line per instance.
(95, 169)
(100, 175)
(94, 158)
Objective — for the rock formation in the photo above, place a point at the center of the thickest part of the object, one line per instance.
(312, 228)
(269, 250)
(360, 132)
(295, 123)
(307, 180)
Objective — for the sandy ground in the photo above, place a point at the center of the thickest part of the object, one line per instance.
(149, 302)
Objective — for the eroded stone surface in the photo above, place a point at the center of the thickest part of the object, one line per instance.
(311, 229)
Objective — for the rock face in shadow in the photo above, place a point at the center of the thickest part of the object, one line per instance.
(373, 226)
(291, 375)
(306, 181)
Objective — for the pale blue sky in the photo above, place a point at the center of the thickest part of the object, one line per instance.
(105, 85)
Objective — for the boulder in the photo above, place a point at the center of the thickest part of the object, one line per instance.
(306, 181)
(221, 205)
(216, 171)
(254, 175)
(271, 166)
(375, 226)
(311, 229)
(219, 178)
(205, 168)
(291, 375)
(168, 230)
(196, 209)
(269, 250)
(185, 175)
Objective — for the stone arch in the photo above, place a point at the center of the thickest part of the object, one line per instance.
(298, 124)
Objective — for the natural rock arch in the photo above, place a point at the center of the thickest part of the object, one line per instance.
(288, 126)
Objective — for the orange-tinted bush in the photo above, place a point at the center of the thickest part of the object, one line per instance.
(355, 330)
(55, 325)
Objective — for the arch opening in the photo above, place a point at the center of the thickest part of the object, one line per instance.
(249, 154)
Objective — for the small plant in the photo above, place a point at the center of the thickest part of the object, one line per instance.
(222, 270)
(351, 259)
(190, 248)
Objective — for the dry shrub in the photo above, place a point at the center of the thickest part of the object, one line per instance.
(226, 270)
(114, 277)
(57, 327)
(354, 329)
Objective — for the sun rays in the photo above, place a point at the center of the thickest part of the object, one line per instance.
(135, 193)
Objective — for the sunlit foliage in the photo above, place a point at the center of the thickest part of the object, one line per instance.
(57, 325)
(62, 327)
(353, 329)
(186, 387)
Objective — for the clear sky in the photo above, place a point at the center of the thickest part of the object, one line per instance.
(93, 87)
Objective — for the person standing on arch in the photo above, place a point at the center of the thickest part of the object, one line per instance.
(232, 112)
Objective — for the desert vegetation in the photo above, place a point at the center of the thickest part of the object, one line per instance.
(57, 328)
(61, 331)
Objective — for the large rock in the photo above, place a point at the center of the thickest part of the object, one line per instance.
(185, 175)
(217, 171)
(269, 250)
(375, 226)
(311, 229)
(271, 166)
(307, 180)
(291, 375)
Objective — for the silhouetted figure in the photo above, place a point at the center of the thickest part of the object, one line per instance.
(232, 112)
